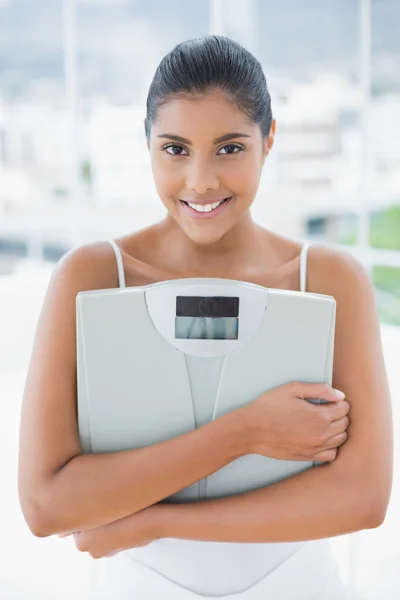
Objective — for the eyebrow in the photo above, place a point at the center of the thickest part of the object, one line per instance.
(218, 140)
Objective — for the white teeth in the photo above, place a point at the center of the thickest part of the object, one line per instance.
(206, 207)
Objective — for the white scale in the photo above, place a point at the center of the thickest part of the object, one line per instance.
(157, 361)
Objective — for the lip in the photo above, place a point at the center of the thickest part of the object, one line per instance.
(206, 215)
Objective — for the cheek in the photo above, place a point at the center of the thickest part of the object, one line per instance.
(167, 180)
(243, 177)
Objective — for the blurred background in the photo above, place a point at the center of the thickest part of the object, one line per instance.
(74, 167)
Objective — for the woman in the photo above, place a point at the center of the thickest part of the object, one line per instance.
(209, 128)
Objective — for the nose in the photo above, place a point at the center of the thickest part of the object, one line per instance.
(200, 177)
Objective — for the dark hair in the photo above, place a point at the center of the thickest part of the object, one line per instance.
(212, 63)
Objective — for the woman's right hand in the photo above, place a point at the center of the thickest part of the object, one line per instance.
(282, 424)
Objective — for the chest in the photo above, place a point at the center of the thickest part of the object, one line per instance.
(285, 277)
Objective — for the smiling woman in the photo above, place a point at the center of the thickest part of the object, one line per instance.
(201, 175)
(209, 129)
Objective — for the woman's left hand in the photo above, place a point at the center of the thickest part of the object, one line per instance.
(134, 531)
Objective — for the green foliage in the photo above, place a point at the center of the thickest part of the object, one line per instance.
(384, 234)
(86, 172)
(387, 284)
(385, 229)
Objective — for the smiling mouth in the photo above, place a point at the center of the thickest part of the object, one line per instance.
(206, 208)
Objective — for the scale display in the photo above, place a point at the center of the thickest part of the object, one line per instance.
(207, 318)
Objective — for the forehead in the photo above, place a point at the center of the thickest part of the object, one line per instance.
(207, 115)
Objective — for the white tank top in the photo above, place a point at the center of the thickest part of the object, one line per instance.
(175, 569)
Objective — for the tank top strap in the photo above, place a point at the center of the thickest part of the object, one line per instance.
(120, 264)
(303, 267)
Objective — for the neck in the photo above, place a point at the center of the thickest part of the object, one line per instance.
(237, 247)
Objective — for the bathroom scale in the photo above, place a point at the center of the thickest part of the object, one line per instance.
(158, 361)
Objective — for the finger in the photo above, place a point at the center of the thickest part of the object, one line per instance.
(337, 427)
(335, 441)
(317, 391)
(338, 410)
(325, 456)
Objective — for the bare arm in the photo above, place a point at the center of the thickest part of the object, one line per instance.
(347, 495)
(311, 505)
(92, 490)
(61, 489)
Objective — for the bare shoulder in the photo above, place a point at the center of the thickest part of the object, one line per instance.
(337, 273)
(90, 266)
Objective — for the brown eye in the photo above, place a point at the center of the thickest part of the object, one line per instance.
(231, 149)
(174, 150)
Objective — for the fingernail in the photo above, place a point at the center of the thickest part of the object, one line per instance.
(339, 395)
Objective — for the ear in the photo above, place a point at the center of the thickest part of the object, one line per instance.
(269, 142)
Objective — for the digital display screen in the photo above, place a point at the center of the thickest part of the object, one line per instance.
(207, 318)
(207, 306)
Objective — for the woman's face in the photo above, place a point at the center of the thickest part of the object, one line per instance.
(207, 160)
